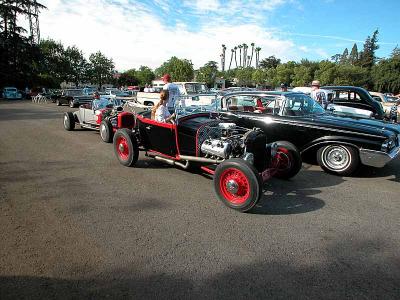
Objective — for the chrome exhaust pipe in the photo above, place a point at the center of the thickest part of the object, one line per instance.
(201, 159)
(172, 162)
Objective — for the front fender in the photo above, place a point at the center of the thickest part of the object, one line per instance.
(358, 143)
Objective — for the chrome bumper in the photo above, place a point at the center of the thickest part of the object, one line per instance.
(377, 159)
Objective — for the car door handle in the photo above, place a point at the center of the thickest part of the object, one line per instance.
(148, 127)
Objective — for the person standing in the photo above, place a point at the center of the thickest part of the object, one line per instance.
(284, 87)
(173, 92)
(318, 94)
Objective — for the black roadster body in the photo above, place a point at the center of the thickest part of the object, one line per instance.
(239, 159)
(340, 143)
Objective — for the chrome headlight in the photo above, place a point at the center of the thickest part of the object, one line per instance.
(388, 145)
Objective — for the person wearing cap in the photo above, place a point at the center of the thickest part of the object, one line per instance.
(318, 94)
(173, 92)
(283, 87)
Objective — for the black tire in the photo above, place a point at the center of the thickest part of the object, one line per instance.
(245, 188)
(289, 163)
(106, 131)
(71, 104)
(69, 121)
(338, 159)
(126, 147)
(58, 103)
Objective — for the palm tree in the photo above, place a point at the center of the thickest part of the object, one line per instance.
(252, 51)
(244, 54)
(235, 55)
(230, 63)
(257, 56)
(240, 55)
(223, 57)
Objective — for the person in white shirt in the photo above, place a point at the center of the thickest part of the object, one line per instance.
(321, 96)
(173, 92)
(160, 110)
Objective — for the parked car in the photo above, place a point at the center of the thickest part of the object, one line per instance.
(11, 93)
(388, 103)
(339, 143)
(73, 97)
(356, 101)
(239, 159)
(101, 115)
(188, 89)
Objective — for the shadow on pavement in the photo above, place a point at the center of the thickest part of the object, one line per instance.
(295, 196)
(349, 269)
(391, 169)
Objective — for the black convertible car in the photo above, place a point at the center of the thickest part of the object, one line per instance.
(239, 159)
(340, 143)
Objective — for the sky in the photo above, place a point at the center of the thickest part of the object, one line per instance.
(149, 32)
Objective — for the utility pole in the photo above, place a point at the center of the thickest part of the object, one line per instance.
(33, 17)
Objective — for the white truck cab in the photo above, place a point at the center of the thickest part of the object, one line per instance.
(189, 90)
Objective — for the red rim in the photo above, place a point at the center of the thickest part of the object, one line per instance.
(122, 148)
(282, 160)
(234, 186)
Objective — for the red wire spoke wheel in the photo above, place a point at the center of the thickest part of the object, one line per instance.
(282, 160)
(126, 147)
(122, 148)
(287, 160)
(237, 184)
(234, 186)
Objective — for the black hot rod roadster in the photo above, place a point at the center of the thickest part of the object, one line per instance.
(239, 159)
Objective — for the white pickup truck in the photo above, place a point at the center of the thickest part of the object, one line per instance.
(190, 91)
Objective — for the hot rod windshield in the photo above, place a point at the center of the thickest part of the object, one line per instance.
(187, 105)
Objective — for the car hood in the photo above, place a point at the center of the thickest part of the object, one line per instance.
(364, 125)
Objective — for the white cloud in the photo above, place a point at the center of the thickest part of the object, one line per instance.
(132, 35)
(203, 5)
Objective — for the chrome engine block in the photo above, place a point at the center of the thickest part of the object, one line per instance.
(216, 147)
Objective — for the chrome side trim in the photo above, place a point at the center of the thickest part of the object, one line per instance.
(328, 128)
(377, 159)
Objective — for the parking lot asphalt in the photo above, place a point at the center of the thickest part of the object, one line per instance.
(74, 223)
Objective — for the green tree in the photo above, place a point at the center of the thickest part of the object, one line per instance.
(285, 72)
(208, 73)
(367, 56)
(244, 76)
(326, 73)
(353, 57)
(128, 78)
(385, 74)
(259, 77)
(345, 57)
(179, 69)
(302, 76)
(145, 75)
(272, 80)
(76, 65)
(269, 62)
(53, 63)
(351, 75)
(101, 68)
(19, 53)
